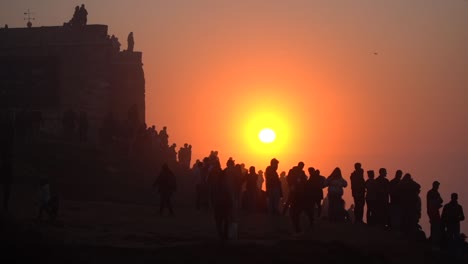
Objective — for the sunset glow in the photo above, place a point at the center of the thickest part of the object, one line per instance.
(377, 82)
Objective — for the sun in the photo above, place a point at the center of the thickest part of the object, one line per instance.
(267, 135)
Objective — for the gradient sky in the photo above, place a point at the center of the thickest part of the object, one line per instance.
(380, 82)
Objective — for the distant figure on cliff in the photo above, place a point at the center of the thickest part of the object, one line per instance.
(115, 43)
(74, 20)
(83, 16)
(131, 42)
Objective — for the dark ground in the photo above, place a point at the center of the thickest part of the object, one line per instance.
(108, 213)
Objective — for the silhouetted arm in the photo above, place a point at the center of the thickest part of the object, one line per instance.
(462, 215)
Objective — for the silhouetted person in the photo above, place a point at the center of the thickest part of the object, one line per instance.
(164, 137)
(409, 191)
(260, 180)
(234, 178)
(335, 183)
(285, 191)
(358, 188)
(115, 43)
(314, 193)
(200, 175)
(296, 181)
(47, 202)
(130, 42)
(167, 185)
(452, 215)
(273, 187)
(295, 175)
(382, 185)
(434, 202)
(74, 21)
(251, 190)
(83, 16)
(395, 201)
(221, 200)
(371, 197)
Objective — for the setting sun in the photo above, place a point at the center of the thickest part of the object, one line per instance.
(267, 135)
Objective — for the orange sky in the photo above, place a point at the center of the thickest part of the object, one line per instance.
(216, 69)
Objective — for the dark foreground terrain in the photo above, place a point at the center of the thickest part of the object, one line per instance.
(108, 213)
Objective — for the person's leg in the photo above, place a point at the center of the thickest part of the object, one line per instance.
(169, 203)
(294, 213)
(310, 211)
(317, 204)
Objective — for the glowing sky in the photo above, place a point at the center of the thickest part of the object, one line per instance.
(380, 82)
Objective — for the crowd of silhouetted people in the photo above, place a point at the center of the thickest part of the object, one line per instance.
(391, 204)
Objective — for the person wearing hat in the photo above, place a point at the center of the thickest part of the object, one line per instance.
(273, 186)
(434, 203)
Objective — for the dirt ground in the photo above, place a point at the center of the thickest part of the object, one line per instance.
(93, 232)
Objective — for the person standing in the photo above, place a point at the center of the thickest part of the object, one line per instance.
(434, 202)
(273, 186)
(452, 215)
(358, 188)
(335, 183)
(371, 197)
(166, 184)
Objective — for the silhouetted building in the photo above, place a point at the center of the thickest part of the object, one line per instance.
(53, 69)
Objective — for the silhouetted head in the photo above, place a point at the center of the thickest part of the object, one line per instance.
(407, 176)
(357, 166)
(398, 174)
(336, 173)
(435, 185)
(311, 171)
(260, 172)
(274, 161)
(252, 169)
(383, 172)
(454, 196)
(370, 174)
(300, 165)
(283, 174)
(230, 162)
